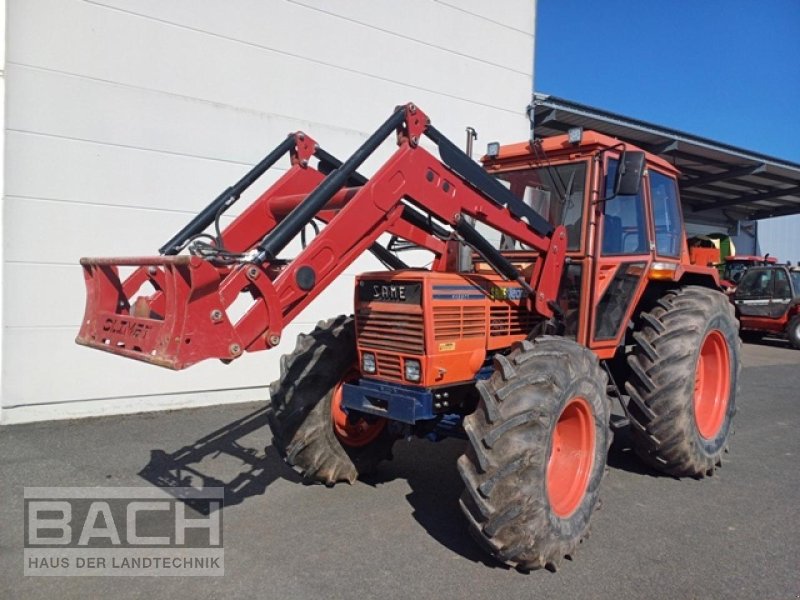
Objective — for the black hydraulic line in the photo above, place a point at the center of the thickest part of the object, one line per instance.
(277, 239)
(483, 247)
(386, 257)
(462, 164)
(428, 226)
(225, 199)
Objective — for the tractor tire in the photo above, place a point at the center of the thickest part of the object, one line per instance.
(537, 450)
(310, 429)
(793, 331)
(684, 375)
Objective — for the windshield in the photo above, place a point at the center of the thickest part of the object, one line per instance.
(544, 190)
(734, 270)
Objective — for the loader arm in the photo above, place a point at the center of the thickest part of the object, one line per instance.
(182, 316)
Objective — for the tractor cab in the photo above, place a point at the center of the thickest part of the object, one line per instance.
(624, 224)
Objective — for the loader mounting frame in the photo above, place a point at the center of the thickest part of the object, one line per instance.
(413, 196)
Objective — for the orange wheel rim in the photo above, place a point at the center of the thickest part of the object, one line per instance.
(352, 432)
(712, 385)
(571, 457)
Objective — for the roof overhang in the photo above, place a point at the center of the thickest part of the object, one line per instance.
(718, 182)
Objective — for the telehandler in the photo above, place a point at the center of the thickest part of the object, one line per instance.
(518, 347)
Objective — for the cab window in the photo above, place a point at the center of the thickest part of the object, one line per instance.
(755, 283)
(624, 225)
(782, 290)
(666, 215)
(555, 192)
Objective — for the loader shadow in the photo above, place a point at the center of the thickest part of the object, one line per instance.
(230, 457)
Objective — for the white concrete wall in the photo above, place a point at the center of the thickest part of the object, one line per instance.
(2, 179)
(125, 117)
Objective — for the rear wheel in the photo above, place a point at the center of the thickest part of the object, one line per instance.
(310, 428)
(683, 379)
(793, 331)
(537, 452)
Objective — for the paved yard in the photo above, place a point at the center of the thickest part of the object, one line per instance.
(736, 535)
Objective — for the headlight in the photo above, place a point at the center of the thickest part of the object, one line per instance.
(413, 370)
(368, 362)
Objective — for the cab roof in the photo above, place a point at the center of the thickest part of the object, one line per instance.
(559, 146)
(749, 258)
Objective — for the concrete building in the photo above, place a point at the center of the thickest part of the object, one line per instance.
(125, 117)
(724, 189)
(779, 237)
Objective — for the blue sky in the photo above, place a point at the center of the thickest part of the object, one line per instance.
(728, 70)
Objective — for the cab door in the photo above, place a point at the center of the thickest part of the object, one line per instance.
(667, 218)
(623, 255)
(753, 294)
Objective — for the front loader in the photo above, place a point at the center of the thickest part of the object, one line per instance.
(589, 297)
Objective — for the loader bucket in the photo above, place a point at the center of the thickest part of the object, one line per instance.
(178, 323)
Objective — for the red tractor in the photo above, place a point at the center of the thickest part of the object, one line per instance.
(519, 349)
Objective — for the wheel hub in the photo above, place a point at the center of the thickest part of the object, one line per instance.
(712, 385)
(571, 457)
(353, 432)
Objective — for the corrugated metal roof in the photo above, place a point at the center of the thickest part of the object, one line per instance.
(715, 176)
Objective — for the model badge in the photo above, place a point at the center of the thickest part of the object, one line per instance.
(389, 291)
(506, 293)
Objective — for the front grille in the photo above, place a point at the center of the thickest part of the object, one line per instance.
(510, 320)
(389, 366)
(458, 322)
(398, 332)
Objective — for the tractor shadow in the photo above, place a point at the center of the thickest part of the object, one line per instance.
(229, 457)
(430, 471)
(622, 457)
(769, 341)
(232, 458)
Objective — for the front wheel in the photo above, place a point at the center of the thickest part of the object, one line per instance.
(537, 452)
(310, 428)
(684, 376)
(793, 331)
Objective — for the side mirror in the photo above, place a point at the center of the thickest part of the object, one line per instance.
(628, 180)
